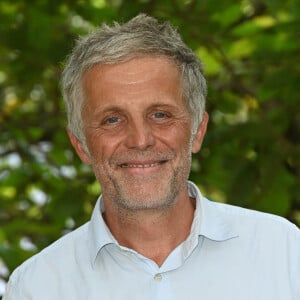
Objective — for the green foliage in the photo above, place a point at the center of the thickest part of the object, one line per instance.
(251, 153)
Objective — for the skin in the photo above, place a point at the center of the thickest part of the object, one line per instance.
(138, 135)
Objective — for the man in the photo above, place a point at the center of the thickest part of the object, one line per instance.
(135, 98)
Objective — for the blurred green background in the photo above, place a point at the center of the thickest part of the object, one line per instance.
(251, 155)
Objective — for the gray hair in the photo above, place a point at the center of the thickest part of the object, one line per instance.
(141, 36)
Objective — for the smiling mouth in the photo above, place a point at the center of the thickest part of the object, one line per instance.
(142, 166)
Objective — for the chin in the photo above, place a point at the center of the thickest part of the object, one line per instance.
(146, 196)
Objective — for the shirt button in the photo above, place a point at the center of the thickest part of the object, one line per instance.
(158, 277)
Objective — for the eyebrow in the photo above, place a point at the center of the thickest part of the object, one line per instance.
(118, 108)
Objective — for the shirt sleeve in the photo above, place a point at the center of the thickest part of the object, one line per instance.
(16, 288)
(12, 292)
(295, 263)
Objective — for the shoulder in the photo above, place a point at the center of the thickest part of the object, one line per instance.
(238, 217)
(53, 260)
(268, 239)
(255, 221)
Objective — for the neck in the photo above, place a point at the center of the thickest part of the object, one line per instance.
(152, 233)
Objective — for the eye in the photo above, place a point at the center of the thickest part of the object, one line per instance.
(160, 115)
(111, 120)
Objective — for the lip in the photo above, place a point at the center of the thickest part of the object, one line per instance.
(142, 167)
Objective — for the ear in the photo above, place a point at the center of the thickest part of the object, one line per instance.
(199, 136)
(79, 148)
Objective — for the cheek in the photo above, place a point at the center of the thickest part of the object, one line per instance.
(102, 150)
(178, 129)
(179, 138)
(96, 149)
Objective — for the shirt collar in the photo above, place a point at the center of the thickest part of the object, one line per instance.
(208, 222)
(99, 234)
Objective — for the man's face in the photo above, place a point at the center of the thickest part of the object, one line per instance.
(138, 132)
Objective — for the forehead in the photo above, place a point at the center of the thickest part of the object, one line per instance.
(145, 77)
(147, 66)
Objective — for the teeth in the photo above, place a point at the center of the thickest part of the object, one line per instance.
(139, 165)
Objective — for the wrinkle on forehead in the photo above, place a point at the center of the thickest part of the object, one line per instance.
(149, 67)
(133, 78)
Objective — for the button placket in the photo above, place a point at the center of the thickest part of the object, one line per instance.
(158, 277)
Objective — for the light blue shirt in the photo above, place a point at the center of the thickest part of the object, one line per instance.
(231, 254)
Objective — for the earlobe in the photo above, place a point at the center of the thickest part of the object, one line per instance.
(79, 148)
(199, 136)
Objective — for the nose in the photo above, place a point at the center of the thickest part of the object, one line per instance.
(139, 135)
